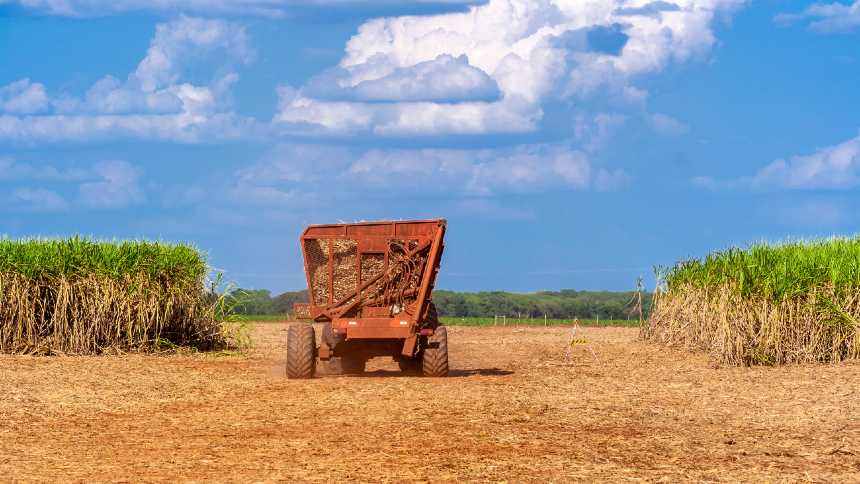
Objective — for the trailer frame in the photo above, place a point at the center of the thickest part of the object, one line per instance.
(361, 311)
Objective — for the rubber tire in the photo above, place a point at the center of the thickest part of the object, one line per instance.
(352, 366)
(435, 359)
(301, 351)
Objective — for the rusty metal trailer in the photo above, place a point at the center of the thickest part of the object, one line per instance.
(369, 295)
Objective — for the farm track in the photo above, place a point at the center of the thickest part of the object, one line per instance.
(515, 408)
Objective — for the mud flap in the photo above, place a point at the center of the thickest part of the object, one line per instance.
(409, 345)
(324, 352)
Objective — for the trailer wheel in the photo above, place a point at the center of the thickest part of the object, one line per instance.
(301, 351)
(352, 365)
(435, 359)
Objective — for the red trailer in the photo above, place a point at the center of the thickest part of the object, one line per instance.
(369, 295)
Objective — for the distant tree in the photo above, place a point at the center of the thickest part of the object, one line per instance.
(563, 304)
(566, 303)
(250, 301)
(283, 303)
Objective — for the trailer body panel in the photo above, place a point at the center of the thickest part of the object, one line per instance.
(372, 281)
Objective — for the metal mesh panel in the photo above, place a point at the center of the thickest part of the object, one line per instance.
(302, 311)
(371, 265)
(344, 252)
(397, 250)
(401, 246)
(316, 251)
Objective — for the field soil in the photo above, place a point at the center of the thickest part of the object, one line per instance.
(521, 404)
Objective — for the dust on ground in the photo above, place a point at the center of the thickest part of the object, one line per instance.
(521, 404)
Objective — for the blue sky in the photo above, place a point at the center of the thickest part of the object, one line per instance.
(569, 144)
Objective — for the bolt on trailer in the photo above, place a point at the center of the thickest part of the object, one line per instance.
(369, 295)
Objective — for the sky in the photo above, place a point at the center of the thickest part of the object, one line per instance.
(569, 143)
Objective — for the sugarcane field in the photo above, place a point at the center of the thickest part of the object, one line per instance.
(429, 241)
(101, 384)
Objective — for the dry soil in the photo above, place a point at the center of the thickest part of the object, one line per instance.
(521, 404)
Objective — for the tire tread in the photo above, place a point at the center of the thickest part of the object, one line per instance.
(301, 351)
(435, 359)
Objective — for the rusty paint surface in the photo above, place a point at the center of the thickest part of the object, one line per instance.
(372, 280)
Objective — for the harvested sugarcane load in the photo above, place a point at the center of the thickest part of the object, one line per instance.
(369, 295)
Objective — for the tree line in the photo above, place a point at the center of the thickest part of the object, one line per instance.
(564, 304)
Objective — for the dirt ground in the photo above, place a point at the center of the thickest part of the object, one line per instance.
(520, 405)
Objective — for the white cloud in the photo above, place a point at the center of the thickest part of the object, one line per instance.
(183, 127)
(296, 163)
(612, 180)
(23, 96)
(38, 200)
(594, 131)
(534, 51)
(118, 186)
(12, 170)
(443, 79)
(179, 41)
(47, 187)
(305, 114)
(827, 17)
(151, 103)
(833, 167)
(269, 8)
(667, 125)
(291, 173)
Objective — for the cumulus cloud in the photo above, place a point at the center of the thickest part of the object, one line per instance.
(833, 167)
(23, 97)
(651, 9)
(291, 172)
(118, 186)
(38, 200)
(594, 131)
(47, 187)
(525, 168)
(176, 42)
(306, 114)
(533, 52)
(151, 103)
(13, 170)
(826, 17)
(443, 79)
(667, 125)
(268, 8)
